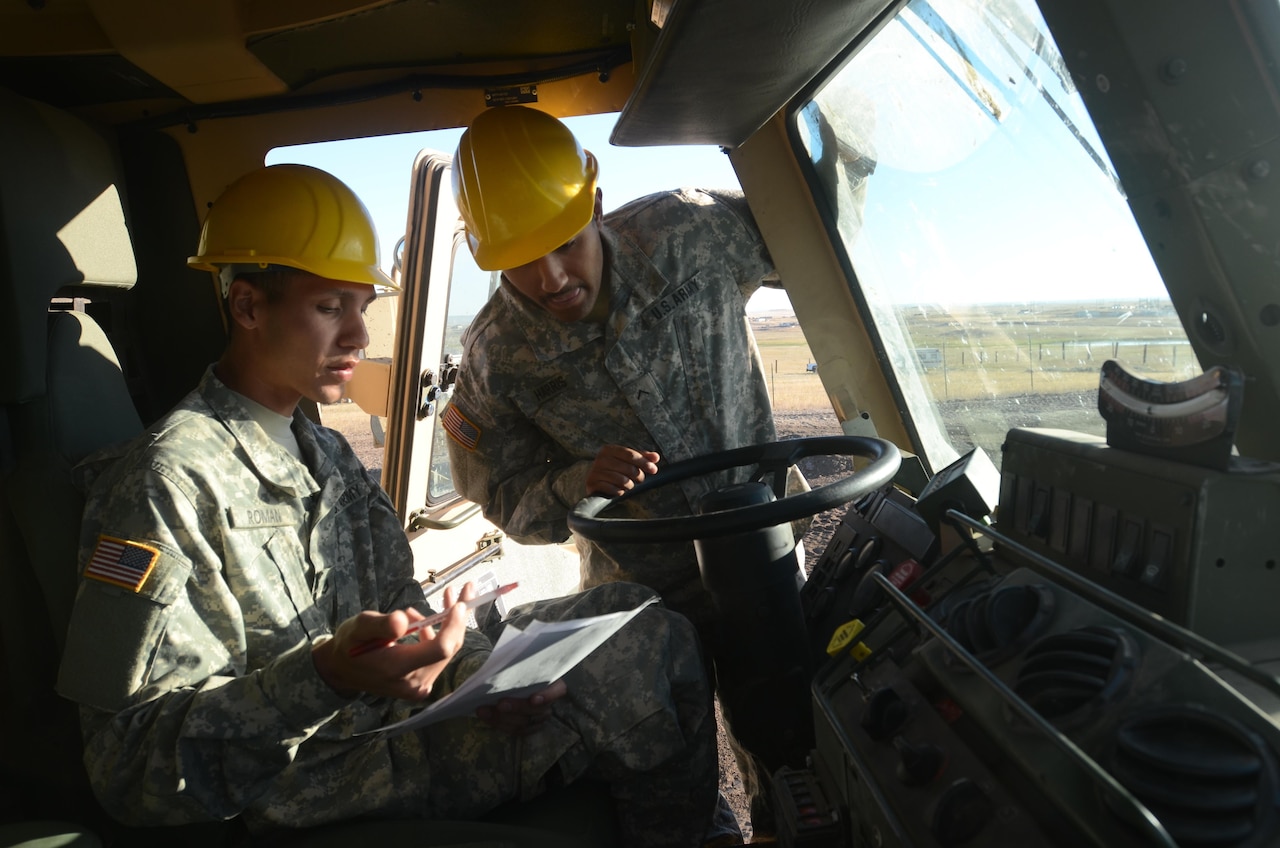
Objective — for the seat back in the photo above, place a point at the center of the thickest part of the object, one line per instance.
(86, 406)
(62, 224)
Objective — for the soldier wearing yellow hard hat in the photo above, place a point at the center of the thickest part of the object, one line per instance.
(238, 633)
(615, 342)
(524, 186)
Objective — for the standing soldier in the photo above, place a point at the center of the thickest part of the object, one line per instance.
(614, 343)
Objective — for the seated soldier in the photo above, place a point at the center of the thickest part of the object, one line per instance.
(236, 553)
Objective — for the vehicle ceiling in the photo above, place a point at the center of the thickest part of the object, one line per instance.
(159, 63)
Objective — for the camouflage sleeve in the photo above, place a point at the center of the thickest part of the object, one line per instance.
(390, 565)
(197, 694)
(691, 228)
(177, 727)
(742, 243)
(500, 460)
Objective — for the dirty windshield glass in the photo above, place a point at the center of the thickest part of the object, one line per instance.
(985, 226)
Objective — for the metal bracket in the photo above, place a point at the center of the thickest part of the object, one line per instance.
(427, 391)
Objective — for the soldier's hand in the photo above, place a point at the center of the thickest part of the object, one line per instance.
(618, 469)
(520, 716)
(392, 669)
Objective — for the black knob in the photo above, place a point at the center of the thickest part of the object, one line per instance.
(918, 763)
(886, 712)
(961, 813)
(867, 595)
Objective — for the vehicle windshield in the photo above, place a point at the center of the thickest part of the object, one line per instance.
(989, 237)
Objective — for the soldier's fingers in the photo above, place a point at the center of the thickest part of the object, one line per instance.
(630, 468)
(645, 460)
(551, 694)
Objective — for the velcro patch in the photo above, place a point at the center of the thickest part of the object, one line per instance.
(669, 303)
(461, 428)
(550, 388)
(121, 563)
(262, 516)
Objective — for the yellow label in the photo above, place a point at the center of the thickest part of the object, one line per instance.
(844, 635)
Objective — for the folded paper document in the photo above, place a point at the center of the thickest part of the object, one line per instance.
(522, 663)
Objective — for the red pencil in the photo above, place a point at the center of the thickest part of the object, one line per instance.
(365, 647)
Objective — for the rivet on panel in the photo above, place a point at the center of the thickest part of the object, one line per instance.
(1174, 70)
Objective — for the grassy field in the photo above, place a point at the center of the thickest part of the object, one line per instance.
(997, 351)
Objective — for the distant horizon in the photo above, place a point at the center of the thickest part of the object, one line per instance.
(788, 310)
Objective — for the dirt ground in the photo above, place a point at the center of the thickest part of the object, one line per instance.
(355, 425)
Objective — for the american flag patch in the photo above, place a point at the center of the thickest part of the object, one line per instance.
(460, 427)
(122, 563)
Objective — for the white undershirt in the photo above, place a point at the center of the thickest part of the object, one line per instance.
(278, 427)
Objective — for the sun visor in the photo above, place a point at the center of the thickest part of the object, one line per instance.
(719, 69)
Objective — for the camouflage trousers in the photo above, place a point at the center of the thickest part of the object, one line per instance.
(638, 716)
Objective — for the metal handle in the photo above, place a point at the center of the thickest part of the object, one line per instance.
(419, 521)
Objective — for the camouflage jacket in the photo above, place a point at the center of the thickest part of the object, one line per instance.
(214, 561)
(674, 369)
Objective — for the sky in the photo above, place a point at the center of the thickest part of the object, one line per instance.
(956, 212)
(379, 171)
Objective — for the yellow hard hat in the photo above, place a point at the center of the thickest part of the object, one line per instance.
(523, 184)
(296, 216)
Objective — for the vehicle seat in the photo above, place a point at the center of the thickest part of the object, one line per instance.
(62, 224)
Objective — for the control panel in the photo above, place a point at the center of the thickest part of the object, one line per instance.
(1191, 543)
(989, 696)
(1026, 714)
(881, 534)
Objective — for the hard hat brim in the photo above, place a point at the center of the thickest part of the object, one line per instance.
(347, 272)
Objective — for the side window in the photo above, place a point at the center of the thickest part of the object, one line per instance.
(469, 288)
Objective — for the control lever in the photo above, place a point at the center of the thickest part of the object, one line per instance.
(886, 713)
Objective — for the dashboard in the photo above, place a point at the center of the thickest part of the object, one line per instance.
(1083, 660)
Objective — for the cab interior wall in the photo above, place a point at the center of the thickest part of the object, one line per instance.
(217, 150)
(1185, 97)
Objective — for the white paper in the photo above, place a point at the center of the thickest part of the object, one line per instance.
(522, 663)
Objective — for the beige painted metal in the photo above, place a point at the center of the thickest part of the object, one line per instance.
(221, 150)
(196, 49)
(370, 386)
(847, 360)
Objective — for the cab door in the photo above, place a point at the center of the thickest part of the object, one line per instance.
(443, 289)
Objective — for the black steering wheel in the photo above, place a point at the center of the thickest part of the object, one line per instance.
(772, 458)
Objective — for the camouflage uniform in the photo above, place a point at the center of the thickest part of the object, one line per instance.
(198, 694)
(674, 369)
